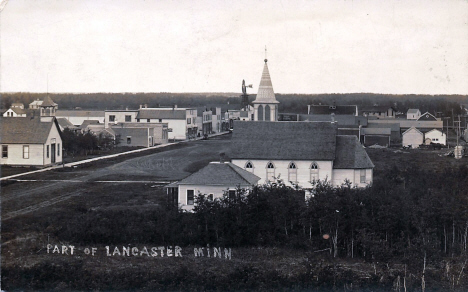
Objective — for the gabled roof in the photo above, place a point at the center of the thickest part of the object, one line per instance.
(410, 129)
(65, 123)
(177, 113)
(435, 130)
(18, 111)
(283, 140)
(220, 174)
(350, 154)
(427, 117)
(17, 104)
(265, 92)
(412, 111)
(25, 130)
(85, 123)
(329, 109)
(48, 102)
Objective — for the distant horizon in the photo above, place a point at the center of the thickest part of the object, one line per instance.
(234, 94)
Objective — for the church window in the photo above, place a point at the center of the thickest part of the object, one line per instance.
(270, 171)
(292, 172)
(267, 113)
(314, 172)
(249, 166)
(260, 113)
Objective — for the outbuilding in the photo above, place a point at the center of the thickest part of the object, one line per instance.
(412, 137)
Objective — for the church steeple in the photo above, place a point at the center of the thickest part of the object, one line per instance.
(265, 103)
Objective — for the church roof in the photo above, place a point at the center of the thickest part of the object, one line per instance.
(265, 90)
(283, 140)
(350, 154)
(218, 173)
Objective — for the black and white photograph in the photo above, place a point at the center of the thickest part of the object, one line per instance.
(301, 145)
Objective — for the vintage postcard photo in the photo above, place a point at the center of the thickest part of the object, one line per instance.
(302, 145)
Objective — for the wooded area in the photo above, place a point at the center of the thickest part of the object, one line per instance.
(289, 103)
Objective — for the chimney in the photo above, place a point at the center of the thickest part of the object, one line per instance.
(308, 109)
(126, 108)
(333, 118)
(141, 106)
(175, 106)
(222, 157)
(146, 105)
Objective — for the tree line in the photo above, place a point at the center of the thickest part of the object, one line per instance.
(446, 105)
(405, 214)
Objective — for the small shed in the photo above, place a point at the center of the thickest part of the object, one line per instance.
(436, 136)
(412, 137)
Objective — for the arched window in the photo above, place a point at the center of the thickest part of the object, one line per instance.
(270, 171)
(267, 113)
(314, 172)
(249, 166)
(292, 172)
(260, 113)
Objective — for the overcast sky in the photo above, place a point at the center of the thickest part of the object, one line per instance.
(210, 46)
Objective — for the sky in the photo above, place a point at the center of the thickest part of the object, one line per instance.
(396, 47)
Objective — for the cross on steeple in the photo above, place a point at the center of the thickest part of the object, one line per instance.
(266, 60)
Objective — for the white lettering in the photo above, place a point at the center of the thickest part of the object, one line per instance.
(178, 251)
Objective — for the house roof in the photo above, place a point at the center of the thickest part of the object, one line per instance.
(218, 173)
(36, 102)
(79, 113)
(427, 116)
(412, 111)
(283, 140)
(65, 123)
(329, 109)
(393, 126)
(265, 92)
(342, 120)
(25, 130)
(377, 108)
(350, 154)
(412, 128)
(17, 104)
(85, 123)
(169, 113)
(376, 131)
(18, 110)
(434, 130)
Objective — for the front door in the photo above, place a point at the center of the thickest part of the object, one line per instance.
(52, 152)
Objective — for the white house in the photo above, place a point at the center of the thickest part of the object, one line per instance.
(214, 180)
(413, 114)
(14, 112)
(436, 136)
(30, 141)
(300, 153)
(412, 137)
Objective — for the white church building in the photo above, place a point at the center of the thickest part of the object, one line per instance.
(300, 153)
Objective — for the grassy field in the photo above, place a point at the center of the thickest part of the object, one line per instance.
(38, 213)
